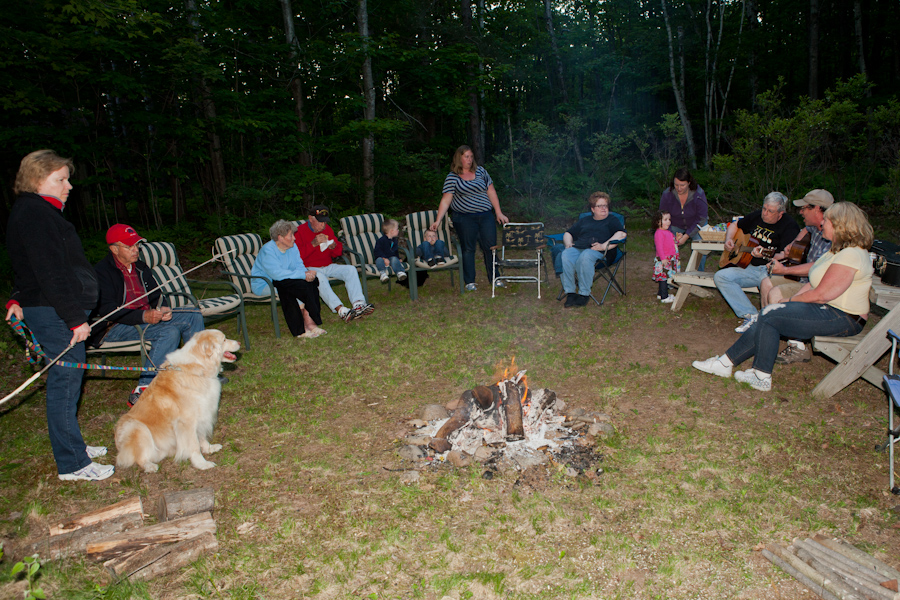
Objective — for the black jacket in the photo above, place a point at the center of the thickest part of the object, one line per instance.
(112, 295)
(48, 261)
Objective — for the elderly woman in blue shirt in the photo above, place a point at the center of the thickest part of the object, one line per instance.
(279, 261)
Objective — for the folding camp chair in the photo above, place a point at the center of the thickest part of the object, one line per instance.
(521, 239)
(892, 385)
(139, 346)
(163, 261)
(607, 269)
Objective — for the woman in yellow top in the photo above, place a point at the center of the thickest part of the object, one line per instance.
(835, 302)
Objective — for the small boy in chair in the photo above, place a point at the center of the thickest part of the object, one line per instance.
(433, 251)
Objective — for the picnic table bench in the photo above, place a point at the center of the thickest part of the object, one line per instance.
(692, 281)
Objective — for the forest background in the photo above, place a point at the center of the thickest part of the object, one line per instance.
(191, 120)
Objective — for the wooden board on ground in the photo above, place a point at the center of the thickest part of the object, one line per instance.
(75, 542)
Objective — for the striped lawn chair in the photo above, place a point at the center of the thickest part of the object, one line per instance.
(237, 254)
(138, 346)
(416, 225)
(163, 261)
(359, 234)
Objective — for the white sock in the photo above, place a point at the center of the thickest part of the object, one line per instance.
(797, 344)
(726, 361)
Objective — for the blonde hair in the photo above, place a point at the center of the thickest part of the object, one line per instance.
(388, 225)
(851, 227)
(36, 167)
(456, 165)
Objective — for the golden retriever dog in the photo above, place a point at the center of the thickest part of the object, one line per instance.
(175, 415)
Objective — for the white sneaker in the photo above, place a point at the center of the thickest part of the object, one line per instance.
(471, 287)
(500, 283)
(668, 300)
(749, 320)
(96, 451)
(751, 378)
(92, 472)
(712, 366)
(384, 277)
(401, 276)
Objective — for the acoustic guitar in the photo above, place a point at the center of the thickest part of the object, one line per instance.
(740, 256)
(797, 253)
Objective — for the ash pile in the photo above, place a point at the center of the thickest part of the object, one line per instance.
(507, 426)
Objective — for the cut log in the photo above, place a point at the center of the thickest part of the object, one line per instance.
(160, 559)
(820, 580)
(839, 586)
(131, 505)
(483, 396)
(439, 443)
(163, 533)
(513, 406)
(799, 576)
(75, 542)
(174, 505)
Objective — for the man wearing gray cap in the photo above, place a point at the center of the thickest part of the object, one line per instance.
(775, 289)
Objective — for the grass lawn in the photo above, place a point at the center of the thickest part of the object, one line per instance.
(701, 472)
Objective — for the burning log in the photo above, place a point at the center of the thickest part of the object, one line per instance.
(484, 396)
(513, 405)
(439, 443)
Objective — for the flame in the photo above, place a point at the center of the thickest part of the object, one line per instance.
(504, 371)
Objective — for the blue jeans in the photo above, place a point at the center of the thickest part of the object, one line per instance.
(694, 238)
(581, 264)
(475, 228)
(345, 273)
(729, 281)
(164, 336)
(793, 320)
(396, 265)
(427, 251)
(63, 388)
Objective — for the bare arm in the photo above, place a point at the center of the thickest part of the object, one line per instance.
(443, 207)
(836, 281)
(495, 202)
(801, 270)
(568, 240)
(729, 235)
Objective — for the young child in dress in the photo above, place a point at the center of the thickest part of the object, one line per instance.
(433, 251)
(387, 252)
(665, 264)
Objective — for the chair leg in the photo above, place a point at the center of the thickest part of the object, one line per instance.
(275, 317)
(242, 323)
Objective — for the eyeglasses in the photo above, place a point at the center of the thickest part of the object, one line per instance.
(603, 206)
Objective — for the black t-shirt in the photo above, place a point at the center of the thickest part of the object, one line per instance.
(776, 235)
(588, 231)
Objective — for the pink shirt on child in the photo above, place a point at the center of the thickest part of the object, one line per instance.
(664, 240)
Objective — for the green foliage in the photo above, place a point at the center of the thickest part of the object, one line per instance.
(29, 568)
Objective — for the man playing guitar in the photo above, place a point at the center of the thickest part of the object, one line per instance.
(777, 287)
(771, 230)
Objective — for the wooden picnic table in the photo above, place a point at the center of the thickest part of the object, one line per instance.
(857, 355)
(691, 281)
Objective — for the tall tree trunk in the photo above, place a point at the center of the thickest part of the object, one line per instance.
(561, 79)
(753, 22)
(481, 102)
(296, 81)
(678, 87)
(813, 49)
(368, 142)
(860, 48)
(216, 179)
(474, 125)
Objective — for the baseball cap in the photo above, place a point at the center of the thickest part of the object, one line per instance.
(124, 234)
(320, 212)
(821, 198)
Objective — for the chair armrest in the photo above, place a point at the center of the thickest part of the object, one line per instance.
(251, 278)
(357, 255)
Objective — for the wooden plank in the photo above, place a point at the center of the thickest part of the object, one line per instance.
(838, 352)
(131, 505)
(168, 532)
(860, 358)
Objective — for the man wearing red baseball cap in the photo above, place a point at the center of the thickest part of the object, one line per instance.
(124, 283)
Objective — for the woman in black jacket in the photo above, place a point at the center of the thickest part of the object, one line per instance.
(54, 290)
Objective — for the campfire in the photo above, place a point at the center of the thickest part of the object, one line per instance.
(506, 423)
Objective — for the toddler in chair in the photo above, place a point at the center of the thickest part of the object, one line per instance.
(387, 252)
(433, 251)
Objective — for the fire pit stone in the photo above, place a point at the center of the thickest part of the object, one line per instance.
(434, 412)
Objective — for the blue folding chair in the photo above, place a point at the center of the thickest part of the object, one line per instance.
(892, 385)
(607, 269)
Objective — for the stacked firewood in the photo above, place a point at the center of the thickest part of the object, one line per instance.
(835, 570)
(116, 536)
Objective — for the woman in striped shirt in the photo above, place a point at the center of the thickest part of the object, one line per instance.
(470, 196)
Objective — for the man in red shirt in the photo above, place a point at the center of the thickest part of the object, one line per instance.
(318, 248)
